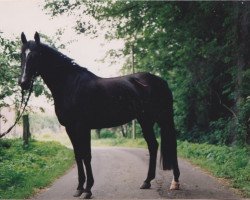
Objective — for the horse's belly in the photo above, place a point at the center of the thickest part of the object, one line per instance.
(110, 120)
(109, 124)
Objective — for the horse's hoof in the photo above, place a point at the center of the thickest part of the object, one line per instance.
(145, 185)
(78, 193)
(86, 195)
(175, 185)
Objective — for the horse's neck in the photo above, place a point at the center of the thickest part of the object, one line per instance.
(59, 77)
(55, 81)
(59, 73)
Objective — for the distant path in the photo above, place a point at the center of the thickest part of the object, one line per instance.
(119, 172)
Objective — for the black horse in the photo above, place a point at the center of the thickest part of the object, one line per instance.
(84, 101)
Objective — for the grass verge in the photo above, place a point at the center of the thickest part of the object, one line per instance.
(231, 163)
(121, 142)
(25, 170)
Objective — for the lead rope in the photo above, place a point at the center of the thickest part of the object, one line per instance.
(21, 113)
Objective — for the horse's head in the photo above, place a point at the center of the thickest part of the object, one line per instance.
(30, 60)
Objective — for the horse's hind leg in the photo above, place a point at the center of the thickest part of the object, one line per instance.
(175, 182)
(148, 133)
(169, 135)
(175, 185)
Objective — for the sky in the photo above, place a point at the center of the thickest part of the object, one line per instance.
(27, 16)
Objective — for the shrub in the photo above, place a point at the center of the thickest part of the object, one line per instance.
(22, 170)
(226, 162)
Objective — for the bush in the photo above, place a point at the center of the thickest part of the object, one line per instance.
(226, 162)
(22, 170)
(40, 123)
(106, 133)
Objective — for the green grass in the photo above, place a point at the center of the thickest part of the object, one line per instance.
(61, 137)
(121, 142)
(23, 171)
(231, 163)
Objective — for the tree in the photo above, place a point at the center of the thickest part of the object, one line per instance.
(202, 48)
(10, 70)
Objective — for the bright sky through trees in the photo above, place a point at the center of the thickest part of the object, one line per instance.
(28, 16)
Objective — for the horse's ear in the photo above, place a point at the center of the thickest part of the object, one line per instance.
(23, 38)
(37, 38)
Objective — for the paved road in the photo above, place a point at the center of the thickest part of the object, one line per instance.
(119, 172)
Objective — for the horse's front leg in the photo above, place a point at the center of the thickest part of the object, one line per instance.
(81, 176)
(87, 162)
(90, 179)
(78, 151)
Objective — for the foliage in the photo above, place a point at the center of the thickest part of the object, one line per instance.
(60, 137)
(40, 123)
(9, 71)
(105, 133)
(24, 170)
(201, 48)
(232, 163)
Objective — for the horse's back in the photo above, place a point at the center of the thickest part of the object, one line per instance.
(142, 85)
(157, 87)
(152, 93)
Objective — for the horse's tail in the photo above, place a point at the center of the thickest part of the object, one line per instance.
(168, 138)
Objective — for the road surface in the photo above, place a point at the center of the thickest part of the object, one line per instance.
(119, 172)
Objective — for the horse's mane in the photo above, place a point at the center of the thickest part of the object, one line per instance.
(64, 60)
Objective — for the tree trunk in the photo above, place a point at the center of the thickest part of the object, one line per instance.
(124, 130)
(98, 133)
(26, 130)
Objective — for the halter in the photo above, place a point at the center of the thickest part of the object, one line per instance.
(23, 102)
